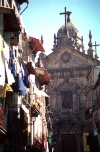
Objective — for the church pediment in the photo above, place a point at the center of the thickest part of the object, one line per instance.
(66, 58)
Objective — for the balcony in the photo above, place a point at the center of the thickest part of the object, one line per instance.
(43, 76)
(10, 18)
(8, 4)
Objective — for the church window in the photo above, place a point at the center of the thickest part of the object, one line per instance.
(67, 100)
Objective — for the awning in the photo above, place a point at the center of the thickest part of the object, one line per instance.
(35, 45)
(30, 68)
(43, 76)
(10, 20)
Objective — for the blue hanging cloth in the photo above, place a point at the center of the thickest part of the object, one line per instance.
(11, 64)
(25, 80)
(13, 71)
(25, 76)
(21, 85)
(12, 55)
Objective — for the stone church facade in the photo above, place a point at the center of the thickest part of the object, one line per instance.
(68, 66)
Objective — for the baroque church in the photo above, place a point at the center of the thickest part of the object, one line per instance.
(68, 66)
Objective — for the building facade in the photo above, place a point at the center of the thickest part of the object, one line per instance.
(68, 66)
(92, 113)
(23, 100)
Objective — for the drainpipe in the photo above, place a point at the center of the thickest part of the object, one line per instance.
(24, 9)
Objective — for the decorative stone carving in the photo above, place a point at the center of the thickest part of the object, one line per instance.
(65, 57)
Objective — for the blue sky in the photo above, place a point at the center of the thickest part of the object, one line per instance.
(42, 17)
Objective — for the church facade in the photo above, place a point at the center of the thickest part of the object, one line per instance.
(68, 66)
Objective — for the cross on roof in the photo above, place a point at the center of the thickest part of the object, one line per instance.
(96, 47)
(68, 16)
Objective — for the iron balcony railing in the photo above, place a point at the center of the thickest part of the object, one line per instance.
(5, 3)
(9, 4)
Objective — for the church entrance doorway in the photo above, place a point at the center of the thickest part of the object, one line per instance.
(68, 143)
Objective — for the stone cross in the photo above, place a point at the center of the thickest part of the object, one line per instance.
(96, 48)
(96, 45)
(68, 14)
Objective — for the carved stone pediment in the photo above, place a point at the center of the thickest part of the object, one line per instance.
(65, 58)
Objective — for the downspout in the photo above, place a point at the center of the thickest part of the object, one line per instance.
(24, 9)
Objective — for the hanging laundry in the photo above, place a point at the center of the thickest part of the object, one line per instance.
(22, 88)
(22, 70)
(10, 77)
(12, 62)
(25, 77)
(15, 85)
(6, 51)
(2, 70)
(13, 71)
(26, 81)
(1, 43)
(12, 54)
(17, 67)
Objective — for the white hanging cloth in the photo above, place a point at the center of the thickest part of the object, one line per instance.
(2, 70)
(10, 76)
(6, 51)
